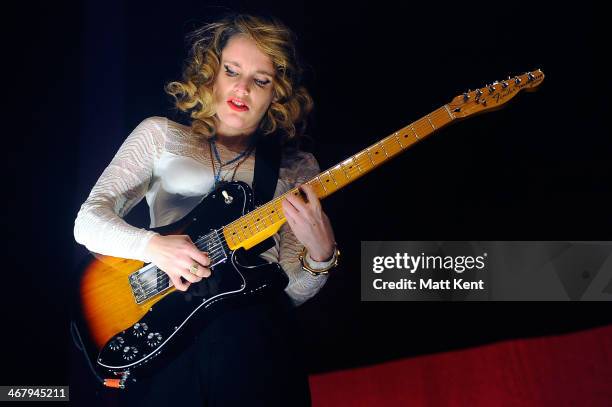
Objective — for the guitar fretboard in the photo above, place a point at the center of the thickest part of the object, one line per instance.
(264, 221)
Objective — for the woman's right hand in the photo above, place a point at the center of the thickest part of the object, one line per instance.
(174, 255)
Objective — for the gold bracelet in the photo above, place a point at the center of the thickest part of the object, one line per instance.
(317, 272)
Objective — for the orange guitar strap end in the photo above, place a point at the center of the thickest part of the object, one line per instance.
(114, 383)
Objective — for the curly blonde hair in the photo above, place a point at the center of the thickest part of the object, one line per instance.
(194, 95)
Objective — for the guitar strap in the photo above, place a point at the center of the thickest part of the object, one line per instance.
(267, 166)
(265, 178)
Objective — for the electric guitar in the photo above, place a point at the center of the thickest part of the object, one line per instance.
(130, 313)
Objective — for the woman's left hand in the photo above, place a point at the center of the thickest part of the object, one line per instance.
(309, 223)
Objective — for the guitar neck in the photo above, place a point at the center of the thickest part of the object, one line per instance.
(354, 167)
(265, 221)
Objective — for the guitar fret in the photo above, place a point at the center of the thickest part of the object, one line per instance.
(243, 233)
(279, 212)
(398, 141)
(363, 163)
(366, 161)
(255, 223)
(245, 229)
(335, 174)
(237, 231)
(415, 133)
(321, 182)
(262, 218)
(234, 235)
(331, 177)
(449, 112)
(265, 216)
(384, 149)
(344, 169)
(326, 178)
(370, 157)
(270, 215)
(430, 122)
(357, 163)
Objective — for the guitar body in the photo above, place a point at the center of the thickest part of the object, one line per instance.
(129, 314)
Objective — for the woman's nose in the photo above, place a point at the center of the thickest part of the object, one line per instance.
(242, 87)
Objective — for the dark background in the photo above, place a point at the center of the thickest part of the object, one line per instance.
(81, 76)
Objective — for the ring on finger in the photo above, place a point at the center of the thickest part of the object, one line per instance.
(193, 269)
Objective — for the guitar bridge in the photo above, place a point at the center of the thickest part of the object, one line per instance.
(148, 282)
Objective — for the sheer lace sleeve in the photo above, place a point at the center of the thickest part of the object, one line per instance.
(302, 285)
(99, 225)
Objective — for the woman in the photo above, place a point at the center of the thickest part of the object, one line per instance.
(241, 82)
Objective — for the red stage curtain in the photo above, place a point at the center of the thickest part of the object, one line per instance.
(566, 370)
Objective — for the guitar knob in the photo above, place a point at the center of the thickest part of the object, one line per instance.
(116, 343)
(139, 329)
(154, 339)
(130, 352)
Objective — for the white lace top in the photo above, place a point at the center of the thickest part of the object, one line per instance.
(163, 162)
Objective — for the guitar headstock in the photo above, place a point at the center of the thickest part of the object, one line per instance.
(493, 96)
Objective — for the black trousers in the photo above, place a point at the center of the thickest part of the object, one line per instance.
(247, 356)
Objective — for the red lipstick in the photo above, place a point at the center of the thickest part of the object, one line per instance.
(237, 104)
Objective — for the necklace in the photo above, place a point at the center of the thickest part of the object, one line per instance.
(213, 148)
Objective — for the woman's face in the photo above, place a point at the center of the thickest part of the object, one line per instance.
(243, 87)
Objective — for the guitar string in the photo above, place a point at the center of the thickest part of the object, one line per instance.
(267, 216)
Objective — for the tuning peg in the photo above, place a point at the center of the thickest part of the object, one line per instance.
(517, 80)
(478, 93)
(466, 97)
(491, 89)
(531, 77)
(504, 84)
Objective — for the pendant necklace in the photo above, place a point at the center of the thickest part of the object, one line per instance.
(244, 155)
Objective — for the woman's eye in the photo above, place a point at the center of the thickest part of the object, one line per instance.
(262, 83)
(229, 71)
(259, 82)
